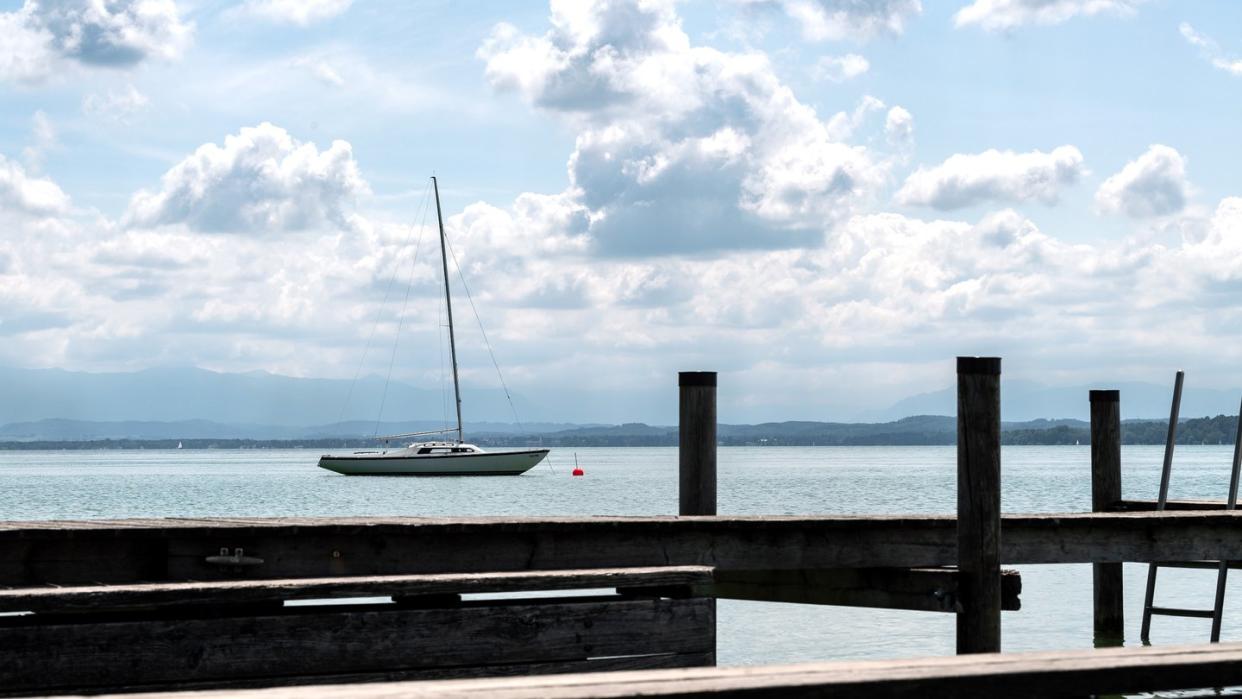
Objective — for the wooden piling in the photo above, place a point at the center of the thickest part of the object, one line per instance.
(1108, 603)
(978, 504)
(697, 450)
(696, 455)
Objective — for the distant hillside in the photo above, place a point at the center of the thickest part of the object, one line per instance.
(918, 430)
(1023, 401)
(921, 430)
(287, 405)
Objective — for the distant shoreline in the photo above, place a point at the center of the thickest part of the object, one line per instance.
(1214, 430)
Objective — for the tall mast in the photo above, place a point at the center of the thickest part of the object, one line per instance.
(448, 304)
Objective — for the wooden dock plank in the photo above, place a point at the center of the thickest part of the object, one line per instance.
(37, 554)
(914, 589)
(1176, 505)
(590, 665)
(157, 651)
(225, 592)
(1016, 675)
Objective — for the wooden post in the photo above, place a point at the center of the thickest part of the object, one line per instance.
(696, 456)
(978, 504)
(697, 453)
(1106, 578)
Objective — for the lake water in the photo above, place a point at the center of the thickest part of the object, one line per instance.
(1056, 600)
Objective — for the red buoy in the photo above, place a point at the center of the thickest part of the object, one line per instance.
(579, 472)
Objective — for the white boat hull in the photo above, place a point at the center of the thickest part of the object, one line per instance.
(399, 463)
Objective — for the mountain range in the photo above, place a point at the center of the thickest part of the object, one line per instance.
(257, 398)
(1025, 400)
(917, 430)
(192, 403)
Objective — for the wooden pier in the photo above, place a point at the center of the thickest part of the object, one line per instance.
(192, 604)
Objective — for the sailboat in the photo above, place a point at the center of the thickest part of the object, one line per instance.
(435, 458)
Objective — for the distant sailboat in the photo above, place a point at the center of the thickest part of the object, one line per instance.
(442, 458)
(178, 445)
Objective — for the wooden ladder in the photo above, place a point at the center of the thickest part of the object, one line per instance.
(1222, 567)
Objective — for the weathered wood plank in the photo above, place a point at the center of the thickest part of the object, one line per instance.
(914, 589)
(37, 554)
(385, 547)
(130, 653)
(978, 504)
(232, 592)
(1107, 582)
(1200, 565)
(1011, 675)
(315, 682)
(1104, 538)
(1119, 505)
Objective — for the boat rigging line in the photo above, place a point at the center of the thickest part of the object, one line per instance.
(405, 244)
(422, 226)
(441, 329)
(446, 252)
(486, 342)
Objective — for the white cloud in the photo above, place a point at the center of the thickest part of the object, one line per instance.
(839, 69)
(41, 37)
(899, 127)
(994, 15)
(884, 288)
(885, 291)
(1195, 38)
(947, 270)
(260, 180)
(117, 33)
(116, 105)
(681, 147)
(25, 55)
(299, 12)
(1211, 50)
(794, 281)
(848, 19)
(965, 180)
(1218, 254)
(536, 224)
(1155, 184)
(23, 194)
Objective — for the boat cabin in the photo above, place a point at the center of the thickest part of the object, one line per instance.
(443, 448)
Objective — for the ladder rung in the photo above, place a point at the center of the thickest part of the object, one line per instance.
(1212, 565)
(1173, 611)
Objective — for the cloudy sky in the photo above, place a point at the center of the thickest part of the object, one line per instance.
(824, 200)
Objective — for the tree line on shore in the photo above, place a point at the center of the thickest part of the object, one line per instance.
(921, 431)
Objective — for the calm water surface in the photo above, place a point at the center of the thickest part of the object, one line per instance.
(1056, 600)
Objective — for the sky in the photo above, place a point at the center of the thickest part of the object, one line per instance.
(825, 201)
